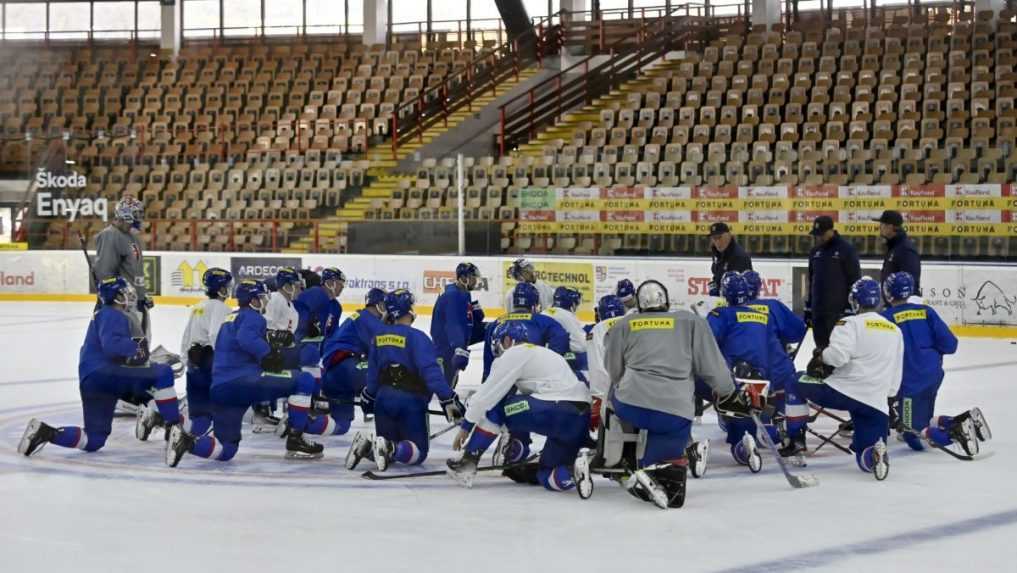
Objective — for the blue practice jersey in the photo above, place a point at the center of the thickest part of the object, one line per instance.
(354, 335)
(108, 341)
(455, 323)
(315, 302)
(790, 328)
(745, 334)
(542, 329)
(240, 347)
(926, 339)
(410, 348)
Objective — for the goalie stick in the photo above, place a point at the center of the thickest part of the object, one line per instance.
(797, 481)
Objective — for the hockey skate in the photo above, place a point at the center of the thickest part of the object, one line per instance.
(299, 448)
(282, 429)
(147, 420)
(180, 442)
(263, 420)
(746, 453)
(508, 450)
(382, 451)
(582, 476)
(360, 449)
(464, 469)
(649, 486)
(794, 448)
(672, 479)
(963, 432)
(37, 435)
(880, 461)
(982, 431)
(698, 454)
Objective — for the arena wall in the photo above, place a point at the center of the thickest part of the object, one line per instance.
(975, 299)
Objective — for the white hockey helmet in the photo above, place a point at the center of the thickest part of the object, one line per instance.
(651, 295)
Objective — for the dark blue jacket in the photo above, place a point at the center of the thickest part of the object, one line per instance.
(542, 330)
(240, 347)
(410, 348)
(733, 258)
(833, 268)
(353, 336)
(455, 323)
(790, 328)
(901, 255)
(108, 341)
(926, 340)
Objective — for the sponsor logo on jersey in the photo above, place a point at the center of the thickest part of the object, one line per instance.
(638, 324)
(516, 408)
(879, 325)
(517, 316)
(390, 340)
(752, 317)
(231, 316)
(610, 322)
(760, 308)
(354, 316)
(907, 315)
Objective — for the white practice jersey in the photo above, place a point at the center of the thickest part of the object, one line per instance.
(867, 352)
(571, 324)
(536, 371)
(545, 290)
(281, 314)
(600, 382)
(203, 324)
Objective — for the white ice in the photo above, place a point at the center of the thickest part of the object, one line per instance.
(121, 509)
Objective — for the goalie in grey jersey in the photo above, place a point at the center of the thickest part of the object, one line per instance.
(653, 359)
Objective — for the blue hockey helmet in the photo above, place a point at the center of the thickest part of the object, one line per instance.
(625, 290)
(610, 306)
(568, 298)
(755, 283)
(114, 290)
(129, 210)
(216, 281)
(734, 288)
(332, 274)
(374, 297)
(399, 303)
(864, 294)
(513, 329)
(250, 289)
(466, 270)
(899, 286)
(525, 295)
(520, 268)
(288, 276)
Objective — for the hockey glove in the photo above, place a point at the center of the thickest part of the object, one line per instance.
(478, 313)
(313, 330)
(145, 303)
(200, 356)
(736, 405)
(273, 361)
(280, 338)
(460, 359)
(595, 413)
(454, 409)
(366, 402)
(816, 367)
(140, 357)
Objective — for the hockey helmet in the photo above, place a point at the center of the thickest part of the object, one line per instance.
(568, 298)
(864, 294)
(514, 329)
(525, 295)
(115, 290)
(216, 281)
(625, 290)
(129, 210)
(399, 303)
(522, 270)
(734, 288)
(651, 295)
(610, 306)
(249, 290)
(755, 283)
(899, 286)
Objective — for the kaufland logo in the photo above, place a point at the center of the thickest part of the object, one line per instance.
(187, 277)
(12, 280)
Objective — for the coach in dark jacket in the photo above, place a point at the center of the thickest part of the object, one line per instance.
(901, 254)
(833, 268)
(728, 255)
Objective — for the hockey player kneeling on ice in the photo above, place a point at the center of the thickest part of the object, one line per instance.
(609, 310)
(246, 371)
(857, 372)
(652, 359)
(530, 390)
(926, 339)
(626, 293)
(344, 359)
(112, 365)
(566, 303)
(748, 340)
(402, 375)
(542, 329)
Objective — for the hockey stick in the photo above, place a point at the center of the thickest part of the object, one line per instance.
(380, 477)
(945, 450)
(797, 481)
(444, 430)
(88, 260)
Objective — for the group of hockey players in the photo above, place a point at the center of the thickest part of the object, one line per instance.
(615, 398)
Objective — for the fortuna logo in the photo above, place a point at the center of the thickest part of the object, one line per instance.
(48, 206)
(46, 180)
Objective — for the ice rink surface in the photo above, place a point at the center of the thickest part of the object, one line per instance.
(121, 509)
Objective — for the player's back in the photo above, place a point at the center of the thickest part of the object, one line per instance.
(544, 373)
(239, 347)
(790, 328)
(743, 333)
(926, 339)
(405, 346)
(280, 314)
(203, 324)
(570, 323)
(107, 341)
(353, 335)
(600, 382)
(867, 352)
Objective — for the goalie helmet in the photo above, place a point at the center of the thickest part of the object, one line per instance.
(519, 269)
(651, 295)
(129, 210)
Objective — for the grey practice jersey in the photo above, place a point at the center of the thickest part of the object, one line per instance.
(653, 359)
(118, 254)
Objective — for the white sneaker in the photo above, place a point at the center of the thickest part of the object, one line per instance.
(382, 453)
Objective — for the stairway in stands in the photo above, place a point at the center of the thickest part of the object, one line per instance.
(383, 178)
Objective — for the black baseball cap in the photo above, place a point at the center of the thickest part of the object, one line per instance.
(820, 225)
(719, 228)
(891, 218)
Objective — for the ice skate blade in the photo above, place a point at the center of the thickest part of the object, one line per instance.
(26, 439)
(304, 456)
(463, 479)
